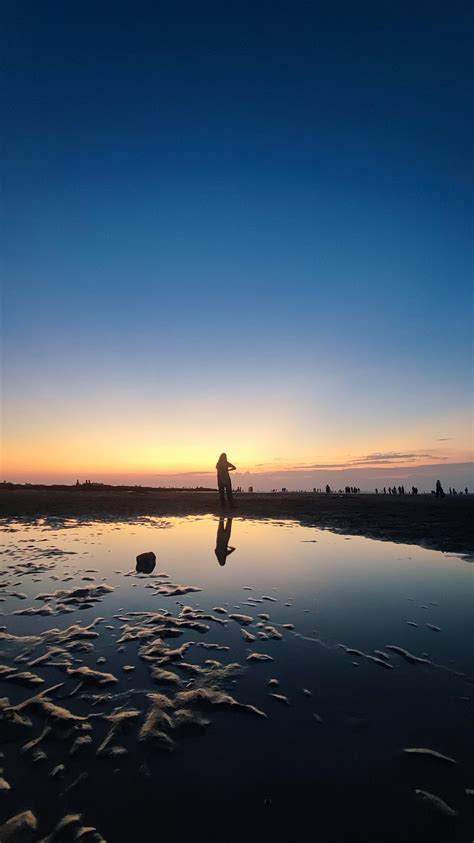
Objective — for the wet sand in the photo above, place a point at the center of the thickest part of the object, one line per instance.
(423, 520)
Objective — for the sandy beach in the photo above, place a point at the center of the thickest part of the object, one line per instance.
(444, 525)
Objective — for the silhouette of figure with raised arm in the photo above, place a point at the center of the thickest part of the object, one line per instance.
(223, 550)
(223, 467)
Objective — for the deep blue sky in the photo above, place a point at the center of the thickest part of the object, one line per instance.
(232, 211)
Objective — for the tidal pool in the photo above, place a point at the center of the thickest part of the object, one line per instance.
(311, 663)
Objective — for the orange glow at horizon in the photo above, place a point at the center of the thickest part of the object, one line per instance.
(73, 457)
(260, 436)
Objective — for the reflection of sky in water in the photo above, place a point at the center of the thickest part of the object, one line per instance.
(353, 591)
(356, 588)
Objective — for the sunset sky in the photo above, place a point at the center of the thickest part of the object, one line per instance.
(239, 227)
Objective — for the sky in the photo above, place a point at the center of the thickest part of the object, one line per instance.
(237, 227)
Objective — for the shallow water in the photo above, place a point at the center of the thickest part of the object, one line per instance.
(328, 757)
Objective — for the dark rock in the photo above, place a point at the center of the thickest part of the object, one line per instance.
(146, 562)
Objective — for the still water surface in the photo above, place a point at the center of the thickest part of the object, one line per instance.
(327, 760)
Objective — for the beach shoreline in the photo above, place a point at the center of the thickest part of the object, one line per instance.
(439, 524)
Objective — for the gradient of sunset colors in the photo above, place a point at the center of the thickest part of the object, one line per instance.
(241, 228)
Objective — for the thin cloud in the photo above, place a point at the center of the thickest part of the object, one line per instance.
(445, 439)
(317, 465)
(377, 459)
(184, 474)
(391, 457)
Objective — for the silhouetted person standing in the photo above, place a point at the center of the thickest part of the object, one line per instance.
(223, 467)
(439, 489)
(223, 550)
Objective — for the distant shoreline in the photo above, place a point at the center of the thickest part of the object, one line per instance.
(444, 525)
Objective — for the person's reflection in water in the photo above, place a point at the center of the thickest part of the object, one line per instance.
(223, 550)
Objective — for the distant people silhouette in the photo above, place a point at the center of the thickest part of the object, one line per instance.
(439, 489)
(223, 550)
(223, 467)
